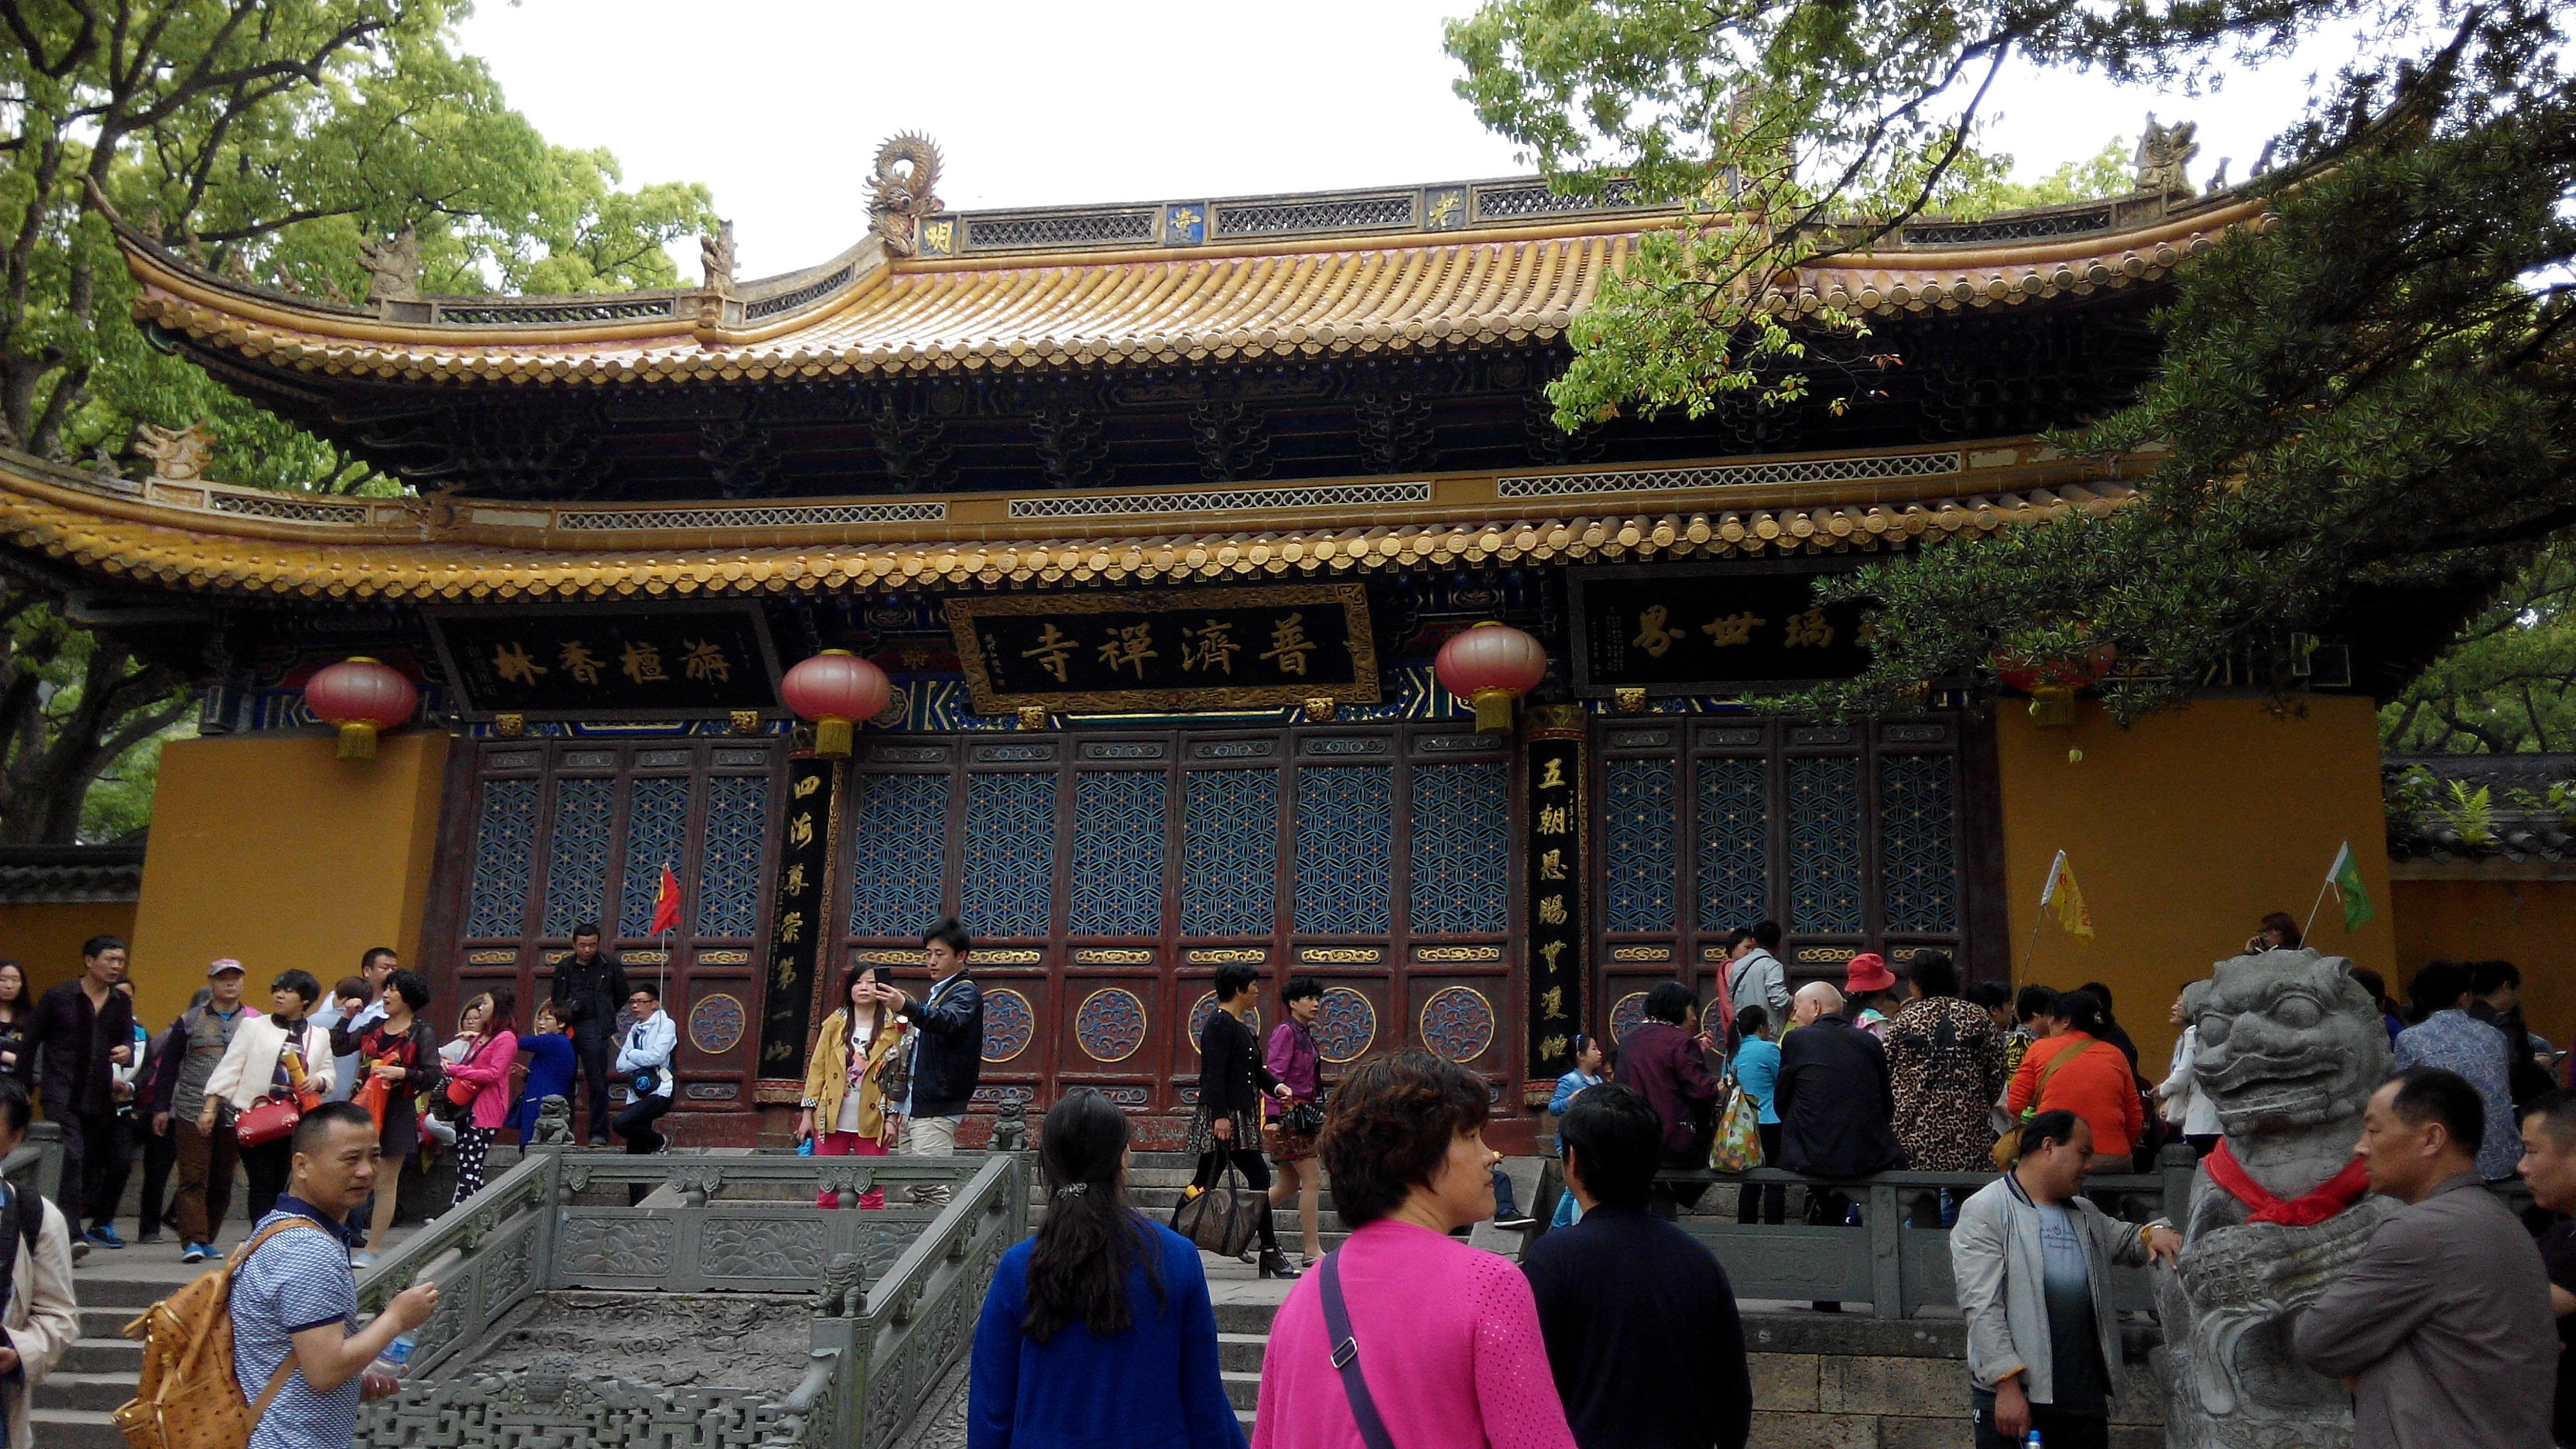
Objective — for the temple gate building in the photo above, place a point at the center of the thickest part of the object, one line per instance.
(1156, 515)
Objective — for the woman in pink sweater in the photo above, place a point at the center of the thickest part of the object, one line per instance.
(1447, 1335)
(486, 1065)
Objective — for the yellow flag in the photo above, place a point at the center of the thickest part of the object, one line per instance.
(2061, 897)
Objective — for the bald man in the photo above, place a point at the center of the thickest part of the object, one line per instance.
(1837, 1115)
(1815, 999)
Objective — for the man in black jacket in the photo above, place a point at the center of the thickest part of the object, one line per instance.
(1640, 1321)
(589, 990)
(84, 1029)
(948, 1049)
(1837, 1110)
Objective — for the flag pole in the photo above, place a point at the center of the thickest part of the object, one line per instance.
(2320, 905)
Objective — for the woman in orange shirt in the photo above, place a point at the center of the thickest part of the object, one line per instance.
(2071, 1070)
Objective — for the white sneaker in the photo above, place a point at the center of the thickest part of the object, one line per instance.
(361, 1259)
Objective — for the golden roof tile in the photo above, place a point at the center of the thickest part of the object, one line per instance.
(1251, 300)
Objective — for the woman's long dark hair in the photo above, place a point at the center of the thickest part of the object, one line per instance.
(1078, 1265)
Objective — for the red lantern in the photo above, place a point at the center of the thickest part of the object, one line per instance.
(1489, 666)
(361, 696)
(835, 689)
(2052, 683)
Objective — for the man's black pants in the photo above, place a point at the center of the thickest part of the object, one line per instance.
(592, 1056)
(94, 1146)
(635, 1124)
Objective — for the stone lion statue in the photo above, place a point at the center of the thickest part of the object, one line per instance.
(2290, 1050)
(1011, 1127)
(845, 1288)
(554, 1123)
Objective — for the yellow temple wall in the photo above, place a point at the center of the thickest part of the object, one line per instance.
(270, 849)
(45, 937)
(2183, 831)
(2531, 923)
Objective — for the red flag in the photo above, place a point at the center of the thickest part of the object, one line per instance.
(666, 904)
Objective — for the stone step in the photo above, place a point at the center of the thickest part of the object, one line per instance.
(1243, 1390)
(1241, 1352)
(103, 1356)
(104, 1322)
(94, 1392)
(1251, 1320)
(72, 1428)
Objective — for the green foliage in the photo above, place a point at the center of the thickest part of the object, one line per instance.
(265, 139)
(2469, 812)
(2365, 412)
(2507, 683)
(2106, 172)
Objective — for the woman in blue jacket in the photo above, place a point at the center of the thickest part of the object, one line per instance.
(1757, 1075)
(1098, 1332)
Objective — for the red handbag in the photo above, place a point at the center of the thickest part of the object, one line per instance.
(269, 1119)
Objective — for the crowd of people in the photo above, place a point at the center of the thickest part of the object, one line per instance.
(1100, 1330)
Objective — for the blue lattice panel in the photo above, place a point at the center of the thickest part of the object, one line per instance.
(1734, 842)
(1917, 849)
(729, 863)
(902, 830)
(1639, 849)
(1345, 850)
(505, 845)
(1008, 883)
(1010, 1023)
(1462, 840)
(1345, 1025)
(1824, 846)
(577, 854)
(1118, 827)
(1229, 852)
(657, 834)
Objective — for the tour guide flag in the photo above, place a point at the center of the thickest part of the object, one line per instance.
(666, 904)
(2345, 876)
(2061, 896)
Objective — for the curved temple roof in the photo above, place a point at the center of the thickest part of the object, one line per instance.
(1414, 269)
(203, 538)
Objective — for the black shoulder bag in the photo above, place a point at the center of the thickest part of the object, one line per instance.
(1346, 1358)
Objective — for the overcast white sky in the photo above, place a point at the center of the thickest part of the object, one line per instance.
(778, 105)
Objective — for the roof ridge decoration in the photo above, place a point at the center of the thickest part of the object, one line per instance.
(907, 168)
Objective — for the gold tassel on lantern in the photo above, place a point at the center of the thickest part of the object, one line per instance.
(1493, 710)
(831, 739)
(357, 740)
(2052, 707)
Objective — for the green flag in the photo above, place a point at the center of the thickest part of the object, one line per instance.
(2345, 877)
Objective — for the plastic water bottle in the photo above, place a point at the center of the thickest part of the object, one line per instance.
(804, 1146)
(2032, 1442)
(396, 1355)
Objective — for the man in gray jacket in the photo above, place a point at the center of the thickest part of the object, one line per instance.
(2442, 1325)
(2033, 1261)
(1755, 977)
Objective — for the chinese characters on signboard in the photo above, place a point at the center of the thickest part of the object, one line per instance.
(1556, 876)
(1709, 631)
(796, 921)
(1182, 648)
(595, 664)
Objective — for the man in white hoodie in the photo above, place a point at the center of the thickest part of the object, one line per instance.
(644, 1063)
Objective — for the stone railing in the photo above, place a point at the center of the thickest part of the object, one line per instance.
(1906, 1267)
(899, 1290)
(37, 1164)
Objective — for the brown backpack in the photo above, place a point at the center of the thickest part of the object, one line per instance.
(189, 1397)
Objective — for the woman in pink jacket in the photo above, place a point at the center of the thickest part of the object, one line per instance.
(1447, 1335)
(486, 1064)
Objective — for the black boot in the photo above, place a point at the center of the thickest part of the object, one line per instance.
(1274, 1264)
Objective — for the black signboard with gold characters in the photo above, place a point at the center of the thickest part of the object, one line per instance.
(1709, 630)
(1555, 877)
(672, 661)
(1176, 648)
(791, 992)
